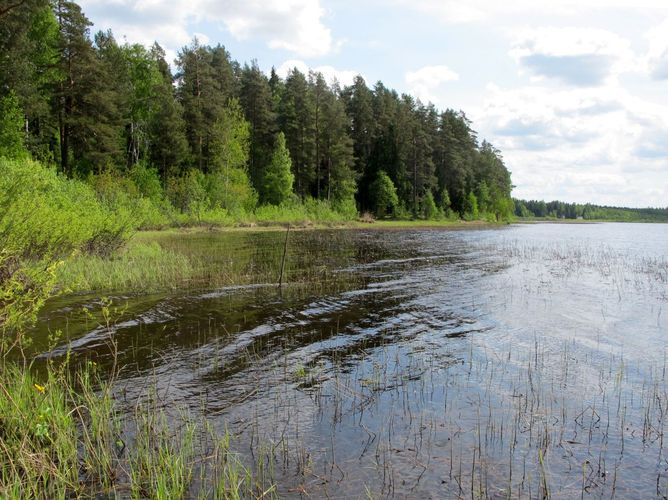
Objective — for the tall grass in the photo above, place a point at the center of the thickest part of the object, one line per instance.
(141, 267)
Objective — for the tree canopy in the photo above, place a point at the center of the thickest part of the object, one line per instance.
(87, 104)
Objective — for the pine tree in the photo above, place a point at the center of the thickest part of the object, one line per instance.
(257, 102)
(168, 146)
(297, 124)
(205, 82)
(337, 160)
(86, 106)
(278, 179)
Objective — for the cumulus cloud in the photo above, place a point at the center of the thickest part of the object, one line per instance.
(293, 25)
(657, 56)
(576, 56)
(580, 144)
(457, 12)
(451, 11)
(331, 74)
(424, 81)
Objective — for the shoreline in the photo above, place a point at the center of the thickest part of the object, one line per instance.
(375, 225)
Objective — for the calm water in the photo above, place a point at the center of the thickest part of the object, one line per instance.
(521, 361)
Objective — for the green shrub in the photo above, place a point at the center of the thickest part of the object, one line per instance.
(385, 199)
(44, 218)
(428, 206)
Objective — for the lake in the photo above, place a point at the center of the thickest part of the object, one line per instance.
(522, 361)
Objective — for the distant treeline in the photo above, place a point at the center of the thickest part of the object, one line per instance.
(225, 136)
(561, 210)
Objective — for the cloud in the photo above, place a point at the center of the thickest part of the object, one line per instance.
(575, 56)
(457, 12)
(653, 144)
(657, 56)
(344, 77)
(424, 81)
(580, 144)
(292, 25)
(450, 11)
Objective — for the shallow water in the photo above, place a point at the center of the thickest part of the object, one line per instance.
(521, 361)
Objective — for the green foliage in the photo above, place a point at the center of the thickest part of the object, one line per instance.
(11, 128)
(124, 199)
(428, 207)
(188, 192)
(231, 190)
(384, 195)
(147, 181)
(559, 209)
(231, 139)
(278, 178)
(94, 106)
(346, 208)
(471, 207)
(483, 197)
(228, 185)
(44, 218)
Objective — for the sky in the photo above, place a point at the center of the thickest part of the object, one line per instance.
(573, 92)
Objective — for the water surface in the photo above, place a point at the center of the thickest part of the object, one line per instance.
(520, 361)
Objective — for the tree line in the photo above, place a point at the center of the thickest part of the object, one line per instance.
(215, 132)
(587, 211)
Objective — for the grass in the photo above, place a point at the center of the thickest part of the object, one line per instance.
(140, 266)
(62, 435)
(169, 259)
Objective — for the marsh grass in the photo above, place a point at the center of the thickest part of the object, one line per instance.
(62, 435)
(141, 266)
(524, 422)
(172, 260)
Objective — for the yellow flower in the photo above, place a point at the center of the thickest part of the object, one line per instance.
(40, 388)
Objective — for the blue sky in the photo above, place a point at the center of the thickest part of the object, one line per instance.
(573, 92)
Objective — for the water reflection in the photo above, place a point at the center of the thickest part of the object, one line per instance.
(414, 363)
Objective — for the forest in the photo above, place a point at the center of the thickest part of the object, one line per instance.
(206, 139)
(561, 210)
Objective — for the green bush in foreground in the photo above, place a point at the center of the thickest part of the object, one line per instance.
(45, 218)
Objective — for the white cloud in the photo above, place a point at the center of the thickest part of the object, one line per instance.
(457, 12)
(425, 81)
(344, 77)
(293, 25)
(575, 56)
(451, 11)
(584, 144)
(657, 56)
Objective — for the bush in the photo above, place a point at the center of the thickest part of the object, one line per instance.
(385, 199)
(231, 190)
(471, 207)
(43, 219)
(428, 208)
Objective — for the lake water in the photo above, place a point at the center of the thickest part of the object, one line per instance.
(522, 361)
